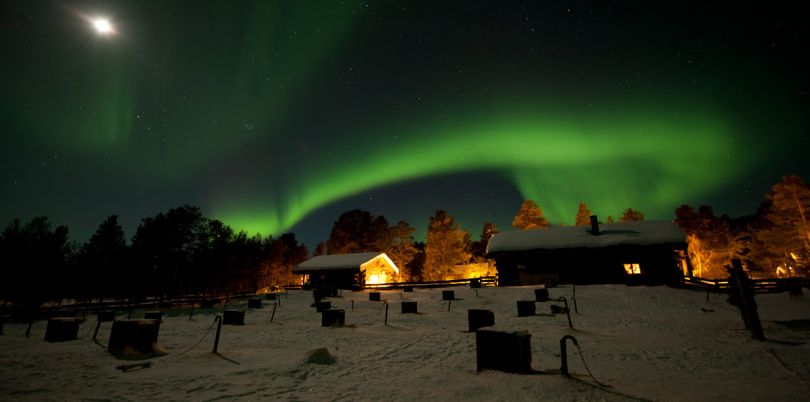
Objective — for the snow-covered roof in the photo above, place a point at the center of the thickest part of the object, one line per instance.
(338, 262)
(612, 234)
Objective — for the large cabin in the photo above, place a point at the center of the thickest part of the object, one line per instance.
(652, 252)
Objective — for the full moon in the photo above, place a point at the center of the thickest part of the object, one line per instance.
(102, 26)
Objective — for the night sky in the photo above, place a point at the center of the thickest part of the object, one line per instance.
(278, 117)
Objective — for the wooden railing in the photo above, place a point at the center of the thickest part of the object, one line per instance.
(485, 281)
(772, 285)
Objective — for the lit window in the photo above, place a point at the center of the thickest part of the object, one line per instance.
(373, 279)
(632, 269)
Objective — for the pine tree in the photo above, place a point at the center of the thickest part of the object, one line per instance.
(401, 248)
(102, 259)
(34, 261)
(479, 248)
(631, 215)
(711, 244)
(529, 217)
(789, 213)
(583, 215)
(358, 231)
(321, 249)
(163, 247)
(446, 245)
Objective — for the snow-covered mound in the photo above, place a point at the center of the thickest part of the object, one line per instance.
(652, 343)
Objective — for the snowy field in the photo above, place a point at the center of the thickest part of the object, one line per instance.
(647, 343)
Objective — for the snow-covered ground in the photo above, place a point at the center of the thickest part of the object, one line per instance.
(652, 343)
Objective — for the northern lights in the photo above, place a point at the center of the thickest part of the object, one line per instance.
(275, 117)
(605, 155)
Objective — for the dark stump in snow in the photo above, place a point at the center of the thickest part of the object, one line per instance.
(407, 289)
(62, 329)
(233, 317)
(504, 351)
(448, 295)
(525, 308)
(134, 337)
(271, 296)
(322, 306)
(333, 318)
(106, 315)
(254, 303)
(320, 356)
(409, 307)
(475, 283)
(374, 296)
(541, 295)
(477, 318)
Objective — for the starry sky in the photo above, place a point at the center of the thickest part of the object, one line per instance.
(279, 116)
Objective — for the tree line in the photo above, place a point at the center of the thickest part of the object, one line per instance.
(179, 252)
(773, 242)
(182, 252)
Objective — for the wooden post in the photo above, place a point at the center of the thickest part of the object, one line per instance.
(218, 320)
(564, 354)
(574, 299)
(741, 293)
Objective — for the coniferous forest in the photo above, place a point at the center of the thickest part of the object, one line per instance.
(181, 252)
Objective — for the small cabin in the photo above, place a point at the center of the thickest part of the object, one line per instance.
(652, 252)
(342, 271)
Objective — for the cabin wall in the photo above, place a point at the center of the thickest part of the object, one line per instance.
(659, 264)
(342, 279)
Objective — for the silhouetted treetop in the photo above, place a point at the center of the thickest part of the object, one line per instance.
(529, 217)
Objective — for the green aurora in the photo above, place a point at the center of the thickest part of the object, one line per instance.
(265, 113)
(612, 165)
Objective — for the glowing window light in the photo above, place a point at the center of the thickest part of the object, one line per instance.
(632, 269)
(373, 279)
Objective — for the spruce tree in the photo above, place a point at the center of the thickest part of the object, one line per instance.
(401, 248)
(447, 244)
(786, 233)
(102, 260)
(583, 215)
(479, 248)
(529, 217)
(631, 215)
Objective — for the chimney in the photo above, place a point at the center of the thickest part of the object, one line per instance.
(594, 225)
